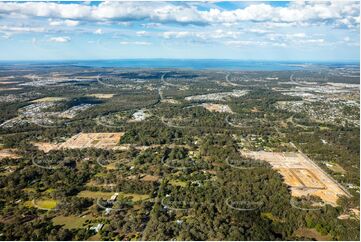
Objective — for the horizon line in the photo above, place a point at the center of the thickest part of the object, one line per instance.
(179, 59)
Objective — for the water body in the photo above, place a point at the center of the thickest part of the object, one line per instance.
(196, 64)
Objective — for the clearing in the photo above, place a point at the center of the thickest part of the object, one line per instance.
(312, 234)
(221, 108)
(9, 153)
(102, 95)
(48, 99)
(302, 175)
(72, 222)
(107, 195)
(84, 140)
(42, 204)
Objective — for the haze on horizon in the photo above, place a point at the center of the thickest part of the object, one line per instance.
(288, 31)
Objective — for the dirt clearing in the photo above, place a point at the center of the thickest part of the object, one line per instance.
(302, 175)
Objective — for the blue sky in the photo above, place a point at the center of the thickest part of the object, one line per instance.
(306, 31)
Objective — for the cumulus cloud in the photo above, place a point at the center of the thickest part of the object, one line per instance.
(98, 31)
(213, 34)
(243, 43)
(60, 39)
(176, 34)
(141, 33)
(8, 31)
(344, 13)
(134, 43)
(21, 29)
(67, 22)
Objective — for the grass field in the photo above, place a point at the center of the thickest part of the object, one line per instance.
(48, 99)
(44, 204)
(95, 195)
(335, 167)
(106, 195)
(178, 183)
(29, 190)
(101, 95)
(71, 222)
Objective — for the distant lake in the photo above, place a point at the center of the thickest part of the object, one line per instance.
(197, 64)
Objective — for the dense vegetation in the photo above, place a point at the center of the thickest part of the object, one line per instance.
(173, 179)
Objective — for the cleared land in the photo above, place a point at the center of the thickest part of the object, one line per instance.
(72, 222)
(312, 234)
(49, 99)
(8, 153)
(219, 96)
(42, 204)
(301, 174)
(102, 95)
(221, 108)
(84, 140)
(107, 195)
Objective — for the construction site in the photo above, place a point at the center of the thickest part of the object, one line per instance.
(302, 175)
(213, 107)
(84, 140)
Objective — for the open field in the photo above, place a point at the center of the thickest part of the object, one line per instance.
(335, 167)
(84, 140)
(219, 96)
(43, 204)
(92, 140)
(213, 107)
(46, 147)
(8, 153)
(301, 174)
(48, 99)
(107, 195)
(10, 88)
(312, 234)
(102, 95)
(71, 222)
(178, 183)
(95, 195)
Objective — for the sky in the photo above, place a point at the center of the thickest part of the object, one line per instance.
(246, 30)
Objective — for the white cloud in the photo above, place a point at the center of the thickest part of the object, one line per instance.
(258, 31)
(339, 12)
(176, 34)
(141, 33)
(299, 35)
(21, 29)
(71, 23)
(60, 39)
(134, 43)
(98, 31)
(245, 43)
(67, 22)
(313, 41)
(204, 35)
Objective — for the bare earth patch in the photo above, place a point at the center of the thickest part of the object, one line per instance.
(84, 140)
(9, 153)
(46, 147)
(170, 100)
(302, 175)
(102, 95)
(312, 234)
(221, 108)
(48, 99)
